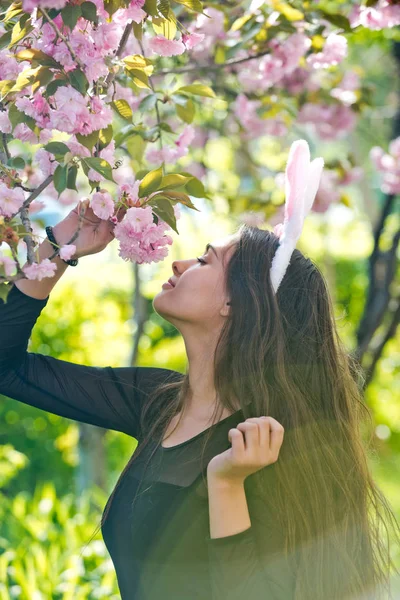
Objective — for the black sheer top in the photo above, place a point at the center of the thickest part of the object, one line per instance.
(160, 545)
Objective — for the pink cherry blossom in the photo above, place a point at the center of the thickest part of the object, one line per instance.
(334, 51)
(139, 218)
(102, 204)
(38, 108)
(46, 268)
(133, 12)
(9, 66)
(131, 190)
(329, 121)
(8, 264)
(5, 123)
(141, 239)
(383, 14)
(388, 165)
(11, 199)
(163, 47)
(192, 39)
(77, 149)
(25, 133)
(45, 161)
(29, 5)
(67, 251)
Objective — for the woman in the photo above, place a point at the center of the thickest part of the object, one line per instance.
(185, 521)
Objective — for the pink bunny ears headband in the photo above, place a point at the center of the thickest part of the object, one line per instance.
(302, 179)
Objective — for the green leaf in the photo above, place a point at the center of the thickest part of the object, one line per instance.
(89, 12)
(150, 7)
(15, 116)
(198, 89)
(5, 39)
(16, 162)
(123, 134)
(24, 79)
(163, 7)
(13, 11)
(20, 30)
(123, 109)
(165, 127)
(194, 5)
(173, 180)
(148, 103)
(57, 148)
(54, 85)
(5, 87)
(88, 140)
(38, 58)
(70, 15)
(5, 289)
(175, 196)
(194, 187)
(165, 211)
(101, 166)
(105, 136)
(111, 6)
(79, 81)
(238, 23)
(60, 178)
(150, 182)
(136, 147)
(186, 113)
(138, 30)
(71, 178)
(43, 76)
(138, 77)
(337, 20)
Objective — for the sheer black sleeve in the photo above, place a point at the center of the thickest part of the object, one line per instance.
(109, 397)
(252, 564)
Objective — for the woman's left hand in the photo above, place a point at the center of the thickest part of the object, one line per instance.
(255, 444)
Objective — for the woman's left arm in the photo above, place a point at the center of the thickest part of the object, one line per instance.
(240, 566)
(246, 559)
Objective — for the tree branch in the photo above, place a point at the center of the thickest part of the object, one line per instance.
(213, 67)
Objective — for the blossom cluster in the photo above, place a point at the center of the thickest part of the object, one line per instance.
(81, 54)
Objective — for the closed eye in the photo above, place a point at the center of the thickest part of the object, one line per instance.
(203, 262)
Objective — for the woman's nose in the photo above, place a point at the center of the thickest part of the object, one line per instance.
(180, 265)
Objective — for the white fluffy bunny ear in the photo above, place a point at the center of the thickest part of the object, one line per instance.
(301, 185)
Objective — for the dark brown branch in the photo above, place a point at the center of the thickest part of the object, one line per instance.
(390, 333)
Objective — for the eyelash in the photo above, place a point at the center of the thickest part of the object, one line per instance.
(203, 262)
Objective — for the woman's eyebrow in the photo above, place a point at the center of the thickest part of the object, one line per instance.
(208, 246)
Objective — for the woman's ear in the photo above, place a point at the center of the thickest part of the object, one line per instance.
(225, 311)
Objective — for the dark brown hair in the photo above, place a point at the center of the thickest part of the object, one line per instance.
(281, 355)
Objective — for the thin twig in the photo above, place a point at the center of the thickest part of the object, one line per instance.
(63, 38)
(212, 67)
(125, 36)
(6, 150)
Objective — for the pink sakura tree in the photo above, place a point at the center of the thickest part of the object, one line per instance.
(130, 87)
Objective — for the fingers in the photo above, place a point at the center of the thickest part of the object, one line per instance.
(263, 434)
(251, 433)
(237, 441)
(120, 213)
(276, 437)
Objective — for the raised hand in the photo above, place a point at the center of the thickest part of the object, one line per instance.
(95, 233)
(255, 444)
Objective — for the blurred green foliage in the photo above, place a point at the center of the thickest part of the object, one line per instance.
(43, 524)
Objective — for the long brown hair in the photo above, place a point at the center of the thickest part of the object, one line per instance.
(281, 355)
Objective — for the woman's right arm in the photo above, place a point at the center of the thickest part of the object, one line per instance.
(109, 397)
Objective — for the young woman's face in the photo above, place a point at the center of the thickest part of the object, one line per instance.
(198, 295)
